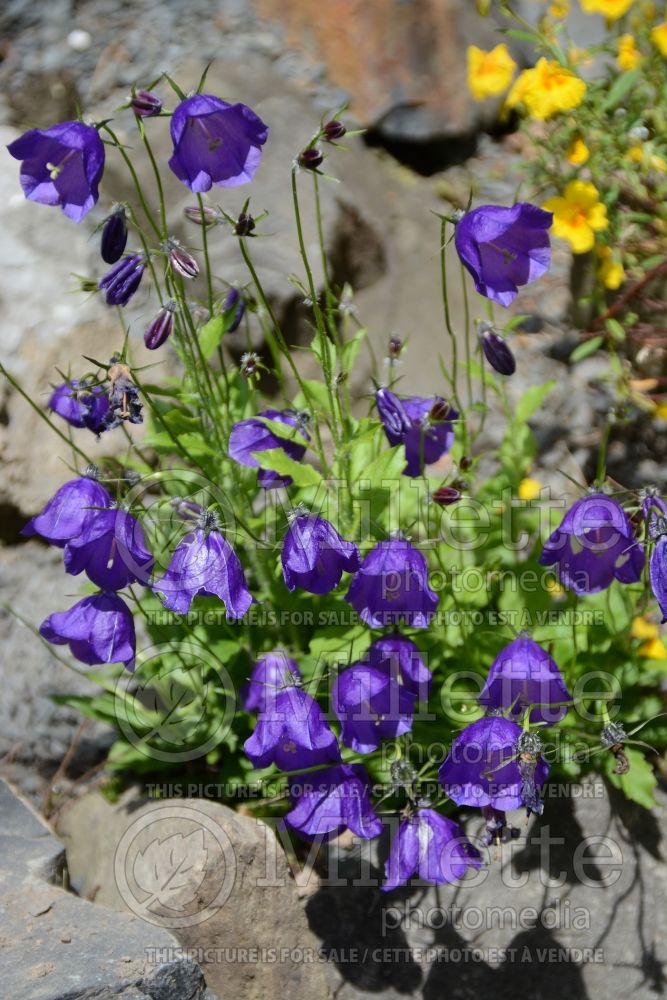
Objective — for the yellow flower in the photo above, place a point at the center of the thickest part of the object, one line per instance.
(642, 628)
(529, 489)
(654, 649)
(636, 153)
(611, 274)
(547, 89)
(489, 73)
(629, 56)
(658, 163)
(612, 9)
(578, 215)
(661, 411)
(559, 8)
(577, 152)
(659, 38)
(554, 587)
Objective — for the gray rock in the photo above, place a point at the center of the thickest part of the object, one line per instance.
(59, 947)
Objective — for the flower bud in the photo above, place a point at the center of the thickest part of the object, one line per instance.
(310, 158)
(439, 411)
(496, 351)
(121, 282)
(395, 348)
(204, 216)
(465, 463)
(145, 104)
(235, 306)
(161, 327)
(444, 496)
(114, 235)
(181, 261)
(333, 130)
(244, 225)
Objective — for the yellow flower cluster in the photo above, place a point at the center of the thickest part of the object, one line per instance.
(629, 56)
(659, 38)
(612, 9)
(653, 648)
(546, 90)
(578, 215)
(489, 73)
(610, 271)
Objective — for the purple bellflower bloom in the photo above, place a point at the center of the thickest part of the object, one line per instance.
(392, 585)
(483, 767)
(80, 405)
(215, 143)
(98, 629)
(114, 235)
(252, 435)
(292, 733)
(371, 707)
(205, 563)
(111, 549)
(524, 674)
(61, 165)
(314, 556)
(503, 248)
(431, 846)
(655, 513)
(270, 675)
(411, 422)
(594, 545)
(400, 659)
(124, 402)
(67, 512)
(327, 802)
(121, 282)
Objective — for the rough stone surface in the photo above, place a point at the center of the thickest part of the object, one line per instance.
(56, 946)
(219, 880)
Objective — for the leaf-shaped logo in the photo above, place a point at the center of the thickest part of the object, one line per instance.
(168, 867)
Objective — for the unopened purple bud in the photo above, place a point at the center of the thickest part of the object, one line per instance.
(310, 158)
(181, 261)
(121, 282)
(204, 216)
(439, 412)
(496, 351)
(161, 327)
(146, 104)
(445, 496)
(114, 235)
(465, 463)
(244, 225)
(234, 306)
(395, 347)
(333, 130)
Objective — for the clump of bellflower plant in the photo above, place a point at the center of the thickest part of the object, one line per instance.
(299, 562)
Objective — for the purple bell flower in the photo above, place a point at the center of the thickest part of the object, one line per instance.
(371, 707)
(252, 435)
(111, 549)
(400, 659)
(270, 675)
(80, 405)
(327, 802)
(314, 556)
(98, 629)
(392, 585)
(410, 422)
(215, 143)
(524, 674)
(67, 512)
(292, 733)
(205, 563)
(61, 165)
(653, 506)
(655, 512)
(114, 235)
(121, 282)
(594, 545)
(503, 248)
(233, 307)
(431, 846)
(483, 767)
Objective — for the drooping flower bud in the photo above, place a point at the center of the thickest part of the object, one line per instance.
(310, 158)
(395, 348)
(121, 282)
(441, 410)
(244, 225)
(114, 235)
(204, 216)
(444, 496)
(333, 130)
(496, 351)
(145, 104)
(181, 261)
(235, 306)
(161, 327)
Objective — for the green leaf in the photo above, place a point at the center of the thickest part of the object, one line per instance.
(622, 86)
(532, 399)
(277, 461)
(584, 350)
(351, 350)
(638, 784)
(616, 330)
(210, 336)
(388, 466)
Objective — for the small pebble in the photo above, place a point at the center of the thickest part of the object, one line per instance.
(79, 40)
